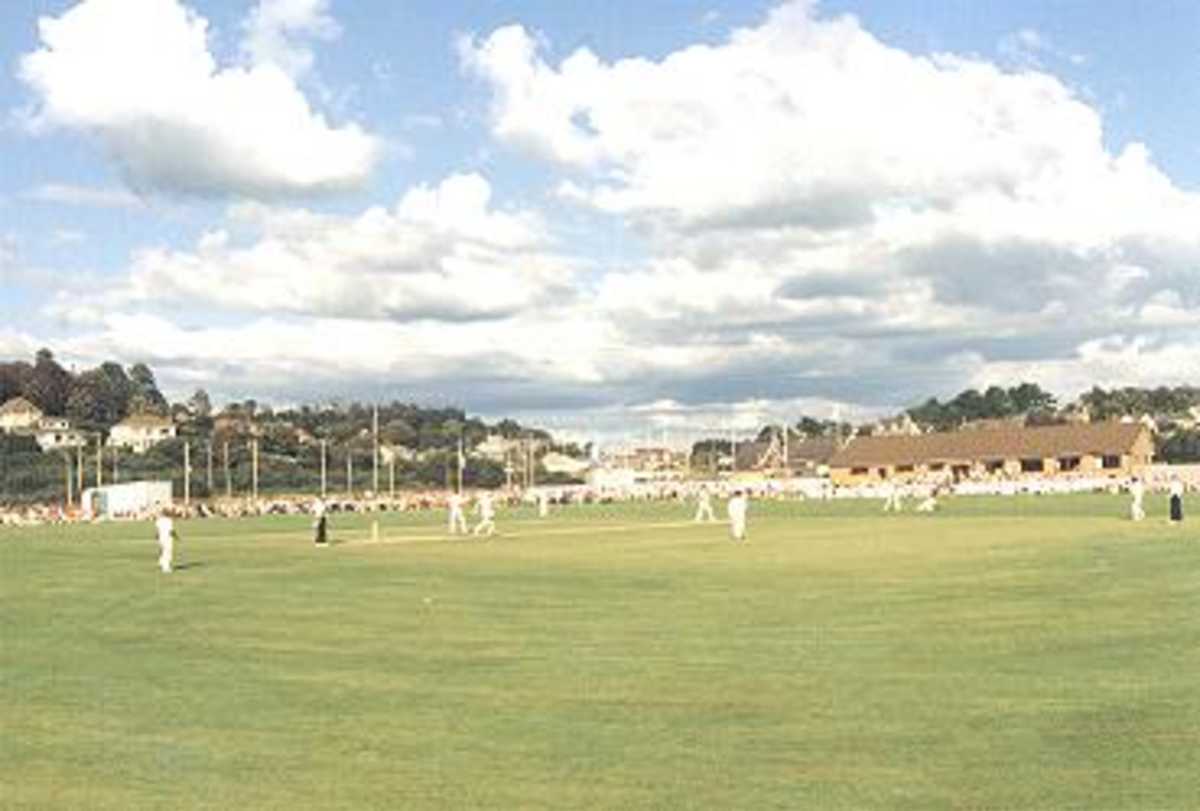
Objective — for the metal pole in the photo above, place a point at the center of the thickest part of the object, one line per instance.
(254, 469)
(209, 479)
(67, 460)
(461, 463)
(375, 451)
(228, 478)
(79, 467)
(187, 475)
(99, 462)
(350, 472)
(323, 471)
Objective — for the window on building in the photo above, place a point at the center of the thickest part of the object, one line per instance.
(1032, 466)
(1111, 462)
(1068, 463)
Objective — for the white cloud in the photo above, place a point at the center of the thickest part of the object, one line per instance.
(138, 75)
(72, 195)
(805, 184)
(275, 32)
(442, 252)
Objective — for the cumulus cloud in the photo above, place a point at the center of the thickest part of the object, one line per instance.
(921, 218)
(74, 195)
(138, 76)
(277, 33)
(442, 252)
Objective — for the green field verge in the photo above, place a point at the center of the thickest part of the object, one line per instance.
(1020, 653)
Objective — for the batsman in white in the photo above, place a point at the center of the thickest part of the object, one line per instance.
(165, 528)
(737, 508)
(458, 520)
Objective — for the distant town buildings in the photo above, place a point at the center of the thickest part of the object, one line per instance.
(18, 416)
(141, 432)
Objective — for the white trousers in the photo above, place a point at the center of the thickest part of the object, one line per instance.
(166, 553)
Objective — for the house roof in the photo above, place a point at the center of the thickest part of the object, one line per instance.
(144, 421)
(19, 405)
(801, 452)
(999, 443)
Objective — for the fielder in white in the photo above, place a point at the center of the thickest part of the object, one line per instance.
(543, 501)
(487, 516)
(1138, 491)
(458, 519)
(704, 510)
(166, 542)
(737, 507)
(892, 501)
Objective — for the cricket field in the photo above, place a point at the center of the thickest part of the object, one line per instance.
(1004, 653)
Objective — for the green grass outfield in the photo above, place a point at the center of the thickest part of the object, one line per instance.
(1020, 653)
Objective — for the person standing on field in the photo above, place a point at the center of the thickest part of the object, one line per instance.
(1138, 491)
(458, 520)
(891, 499)
(320, 537)
(165, 527)
(487, 516)
(704, 510)
(1176, 492)
(737, 508)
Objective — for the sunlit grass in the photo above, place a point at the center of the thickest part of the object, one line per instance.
(1006, 653)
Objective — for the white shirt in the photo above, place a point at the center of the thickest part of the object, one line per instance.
(165, 527)
(737, 509)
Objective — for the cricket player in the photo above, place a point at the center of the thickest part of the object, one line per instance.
(891, 499)
(543, 499)
(704, 510)
(487, 516)
(737, 516)
(319, 529)
(1176, 493)
(1138, 491)
(458, 520)
(166, 541)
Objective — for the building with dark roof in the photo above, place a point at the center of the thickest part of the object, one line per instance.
(1115, 449)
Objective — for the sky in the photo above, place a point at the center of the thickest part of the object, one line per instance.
(608, 218)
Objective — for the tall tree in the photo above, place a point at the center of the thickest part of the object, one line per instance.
(49, 385)
(146, 397)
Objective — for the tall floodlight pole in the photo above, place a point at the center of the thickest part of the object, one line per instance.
(187, 475)
(228, 478)
(349, 472)
(462, 461)
(67, 460)
(375, 451)
(209, 478)
(254, 469)
(323, 468)
(99, 462)
(79, 466)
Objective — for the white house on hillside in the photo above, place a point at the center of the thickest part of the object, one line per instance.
(18, 414)
(141, 432)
